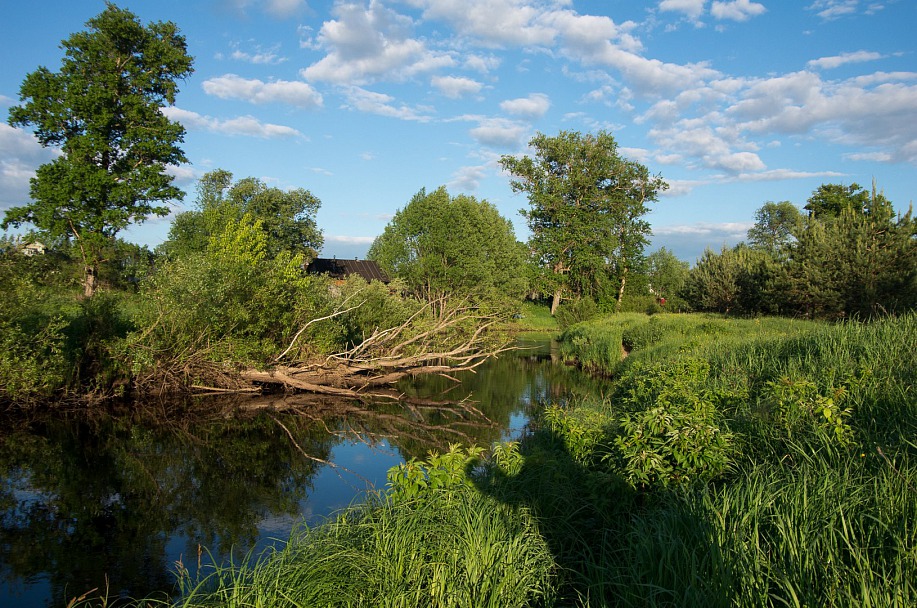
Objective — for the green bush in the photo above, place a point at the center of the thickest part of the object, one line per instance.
(577, 311)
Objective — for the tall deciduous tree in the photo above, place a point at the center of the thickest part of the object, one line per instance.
(775, 226)
(443, 245)
(103, 110)
(287, 217)
(586, 210)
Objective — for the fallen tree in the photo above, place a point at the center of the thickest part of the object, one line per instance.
(439, 338)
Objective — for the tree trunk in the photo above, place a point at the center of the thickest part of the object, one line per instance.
(89, 282)
(555, 302)
(621, 289)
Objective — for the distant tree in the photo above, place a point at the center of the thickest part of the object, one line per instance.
(667, 274)
(775, 225)
(442, 245)
(586, 210)
(861, 263)
(739, 280)
(713, 282)
(103, 109)
(287, 217)
(829, 200)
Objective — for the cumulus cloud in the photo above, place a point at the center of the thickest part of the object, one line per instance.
(20, 156)
(736, 10)
(384, 105)
(691, 8)
(499, 133)
(368, 43)
(495, 23)
(231, 86)
(835, 61)
(241, 125)
(837, 111)
(467, 179)
(455, 87)
(532, 107)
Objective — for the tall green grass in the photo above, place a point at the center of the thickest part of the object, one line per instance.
(761, 462)
(446, 546)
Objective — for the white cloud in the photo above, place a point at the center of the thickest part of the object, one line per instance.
(20, 156)
(532, 107)
(724, 229)
(349, 240)
(774, 175)
(231, 86)
(241, 125)
(184, 175)
(383, 105)
(467, 179)
(832, 9)
(691, 8)
(840, 112)
(499, 133)
(737, 10)
(641, 155)
(493, 22)
(844, 58)
(259, 56)
(368, 43)
(455, 87)
(881, 157)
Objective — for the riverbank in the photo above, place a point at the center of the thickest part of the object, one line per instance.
(732, 463)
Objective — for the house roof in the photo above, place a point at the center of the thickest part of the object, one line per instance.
(340, 269)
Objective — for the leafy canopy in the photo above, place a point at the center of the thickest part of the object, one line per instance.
(103, 111)
(586, 208)
(287, 217)
(443, 245)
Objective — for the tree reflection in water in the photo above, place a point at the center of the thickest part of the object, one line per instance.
(112, 500)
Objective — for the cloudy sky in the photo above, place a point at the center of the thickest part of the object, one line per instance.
(735, 102)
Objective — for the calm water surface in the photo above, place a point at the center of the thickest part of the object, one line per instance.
(114, 501)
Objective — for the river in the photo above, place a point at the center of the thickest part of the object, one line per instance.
(114, 500)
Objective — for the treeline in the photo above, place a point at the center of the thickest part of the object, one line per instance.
(850, 256)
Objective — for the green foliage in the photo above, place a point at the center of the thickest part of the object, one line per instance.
(287, 217)
(433, 541)
(775, 226)
(860, 263)
(586, 210)
(671, 435)
(103, 109)
(852, 257)
(831, 200)
(740, 280)
(246, 303)
(458, 246)
(581, 430)
(800, 406)
(447, 471)
(572, 312)
(667, 276)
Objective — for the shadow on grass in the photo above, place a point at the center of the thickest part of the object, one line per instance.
(581, 511)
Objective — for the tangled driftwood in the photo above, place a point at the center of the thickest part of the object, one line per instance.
(455, 338)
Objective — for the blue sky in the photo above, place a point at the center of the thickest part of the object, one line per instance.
(735, 103)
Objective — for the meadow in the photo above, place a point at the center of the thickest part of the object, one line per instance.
(734, 462)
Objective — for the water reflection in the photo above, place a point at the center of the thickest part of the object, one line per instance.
(93, 500)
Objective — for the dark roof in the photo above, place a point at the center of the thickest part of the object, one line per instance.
(340, 269)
